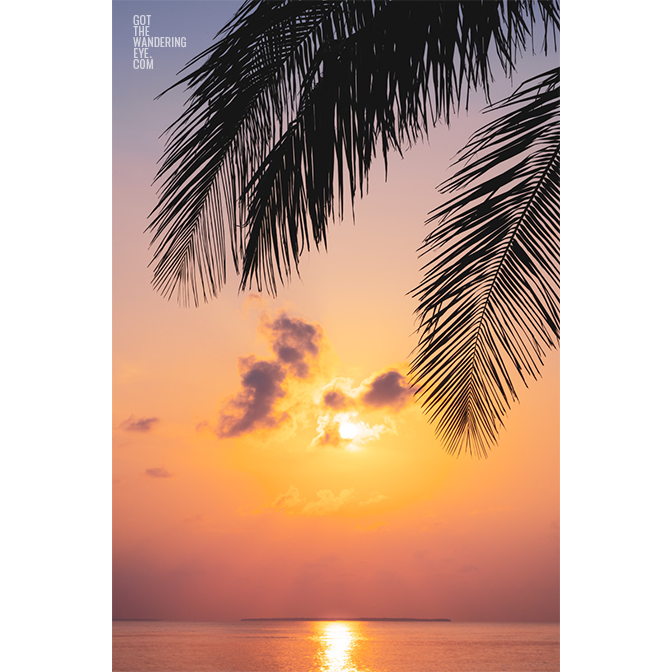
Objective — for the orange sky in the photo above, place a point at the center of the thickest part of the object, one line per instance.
(384, 523)
(267, 459)
(615, 367)
(281, 520)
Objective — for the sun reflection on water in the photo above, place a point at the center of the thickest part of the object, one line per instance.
(338, 641)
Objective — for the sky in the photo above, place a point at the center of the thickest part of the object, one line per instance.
(268, 457)
(57, 340)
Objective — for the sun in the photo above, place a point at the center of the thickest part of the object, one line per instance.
(348, 430)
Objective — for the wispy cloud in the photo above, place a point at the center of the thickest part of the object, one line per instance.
(328, 433)
(140, 425)
(374, 498)
(327, 502)
(346, 430)
(288, 500)
(253, 302)
(158, 472)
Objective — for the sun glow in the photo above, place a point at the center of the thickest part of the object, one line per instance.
(348, 430)
(336, 642)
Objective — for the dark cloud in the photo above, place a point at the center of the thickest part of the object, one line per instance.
(254, 406)
(337, 400)
(158, 472)
(141, 425)
(295, 343)
(388, 389)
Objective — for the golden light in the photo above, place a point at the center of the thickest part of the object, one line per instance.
(336, 640)
(348, 430)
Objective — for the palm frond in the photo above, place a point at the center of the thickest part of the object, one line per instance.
(285, 115)
(489, 299)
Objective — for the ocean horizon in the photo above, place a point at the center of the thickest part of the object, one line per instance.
(301, 618)
(292, 645)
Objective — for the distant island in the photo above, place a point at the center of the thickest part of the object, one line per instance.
(404, 620)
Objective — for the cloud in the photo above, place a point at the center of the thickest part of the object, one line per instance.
(338, 395)
(141, 425)
(340, 425)
(328, 432)
(253, 302)
(327, 502)
(345, 429)
(254, 406)
(295, 343)
(374, 498)
(288, 500)
(158, 472)
(337, 400)
(388, 389)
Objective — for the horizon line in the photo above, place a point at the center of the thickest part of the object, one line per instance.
(359, 618)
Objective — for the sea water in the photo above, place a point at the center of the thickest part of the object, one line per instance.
(335, 646)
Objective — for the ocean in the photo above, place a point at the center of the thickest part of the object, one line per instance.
(334, 646)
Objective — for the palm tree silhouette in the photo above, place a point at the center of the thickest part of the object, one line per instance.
(287, 112)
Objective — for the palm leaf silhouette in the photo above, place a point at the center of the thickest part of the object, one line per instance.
(489, 300)
(287, 111)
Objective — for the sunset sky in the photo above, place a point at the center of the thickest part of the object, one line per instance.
(268, 457)
(56, 490)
